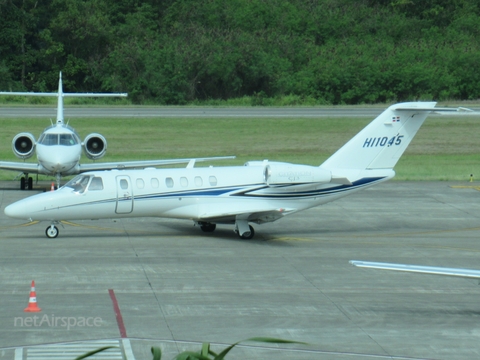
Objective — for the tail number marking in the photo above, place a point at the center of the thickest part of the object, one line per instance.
(382, 141)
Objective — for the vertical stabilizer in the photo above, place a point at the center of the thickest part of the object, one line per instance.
(60, 101)
(381, 143)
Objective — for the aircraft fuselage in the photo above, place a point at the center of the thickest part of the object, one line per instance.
(213, 194)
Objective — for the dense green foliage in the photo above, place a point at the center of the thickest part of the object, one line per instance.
(189, 51)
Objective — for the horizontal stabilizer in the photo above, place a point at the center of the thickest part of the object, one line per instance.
(432, 270)
(446, 109)
(64, 94)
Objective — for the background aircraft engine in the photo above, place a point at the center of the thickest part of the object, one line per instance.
(23, 145)
(295, 174)
(94, 146)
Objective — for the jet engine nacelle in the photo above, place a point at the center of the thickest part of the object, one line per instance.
(23, 145)
(276, 174)
(95, 146)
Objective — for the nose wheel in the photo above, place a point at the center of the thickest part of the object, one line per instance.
(51, 232)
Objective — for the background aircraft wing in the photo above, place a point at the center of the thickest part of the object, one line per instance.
(30, 168)
(146, 163)
(433, 270)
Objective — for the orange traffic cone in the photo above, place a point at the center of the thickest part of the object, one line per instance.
(52, 188)
(32, 301)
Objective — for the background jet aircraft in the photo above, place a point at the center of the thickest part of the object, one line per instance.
(59, 147)
(259, 192)
(432, 270)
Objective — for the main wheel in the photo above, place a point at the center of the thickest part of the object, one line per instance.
(22, 183)
(248, 235)
(51, 232)
(30, 183)
(208, 227)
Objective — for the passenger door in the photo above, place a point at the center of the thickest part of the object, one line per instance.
(124, 195)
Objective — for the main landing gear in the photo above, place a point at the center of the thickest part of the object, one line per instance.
(242, 229)
(26, 182)
(207, 227)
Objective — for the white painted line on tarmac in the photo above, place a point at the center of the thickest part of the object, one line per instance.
(127, 348)
(72, 350)
(18, 353)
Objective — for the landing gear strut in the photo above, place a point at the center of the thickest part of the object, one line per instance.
(244, 230)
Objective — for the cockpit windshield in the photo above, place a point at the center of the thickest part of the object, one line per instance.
(58, 139)
(79, 183)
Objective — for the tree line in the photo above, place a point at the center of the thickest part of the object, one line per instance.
(189, 51)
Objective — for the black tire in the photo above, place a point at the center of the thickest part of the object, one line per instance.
(22, 183)
(208, 227)
(30, 183)
(248, 235)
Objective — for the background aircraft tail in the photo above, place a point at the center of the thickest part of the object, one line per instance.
(381, 143)
(60, 94)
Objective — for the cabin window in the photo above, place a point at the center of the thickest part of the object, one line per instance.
(154, 183)
(96, 184)
(169, 182)
(212, 180)
(198, 181)
(123, 184)
(184, 181)
(140, 183)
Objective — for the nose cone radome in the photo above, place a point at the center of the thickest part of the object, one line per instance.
(17, 210)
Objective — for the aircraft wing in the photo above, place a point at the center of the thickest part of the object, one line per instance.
(145, 163)
(25, 167)
(433, 270)
(225, 214)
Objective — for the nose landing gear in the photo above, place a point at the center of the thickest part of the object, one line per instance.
(51, 231)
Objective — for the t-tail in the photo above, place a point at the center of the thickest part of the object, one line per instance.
(375, 150)
(60, 95)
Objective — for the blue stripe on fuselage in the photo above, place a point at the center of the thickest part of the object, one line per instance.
(251, 190)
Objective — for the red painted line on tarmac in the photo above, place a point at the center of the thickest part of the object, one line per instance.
(118, 314)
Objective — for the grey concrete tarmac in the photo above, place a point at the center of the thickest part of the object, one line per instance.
(177, 287)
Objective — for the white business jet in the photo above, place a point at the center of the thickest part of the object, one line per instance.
(59, 147)
(419, 269)
(259, 192)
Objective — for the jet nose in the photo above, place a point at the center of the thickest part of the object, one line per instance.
(16, 210)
